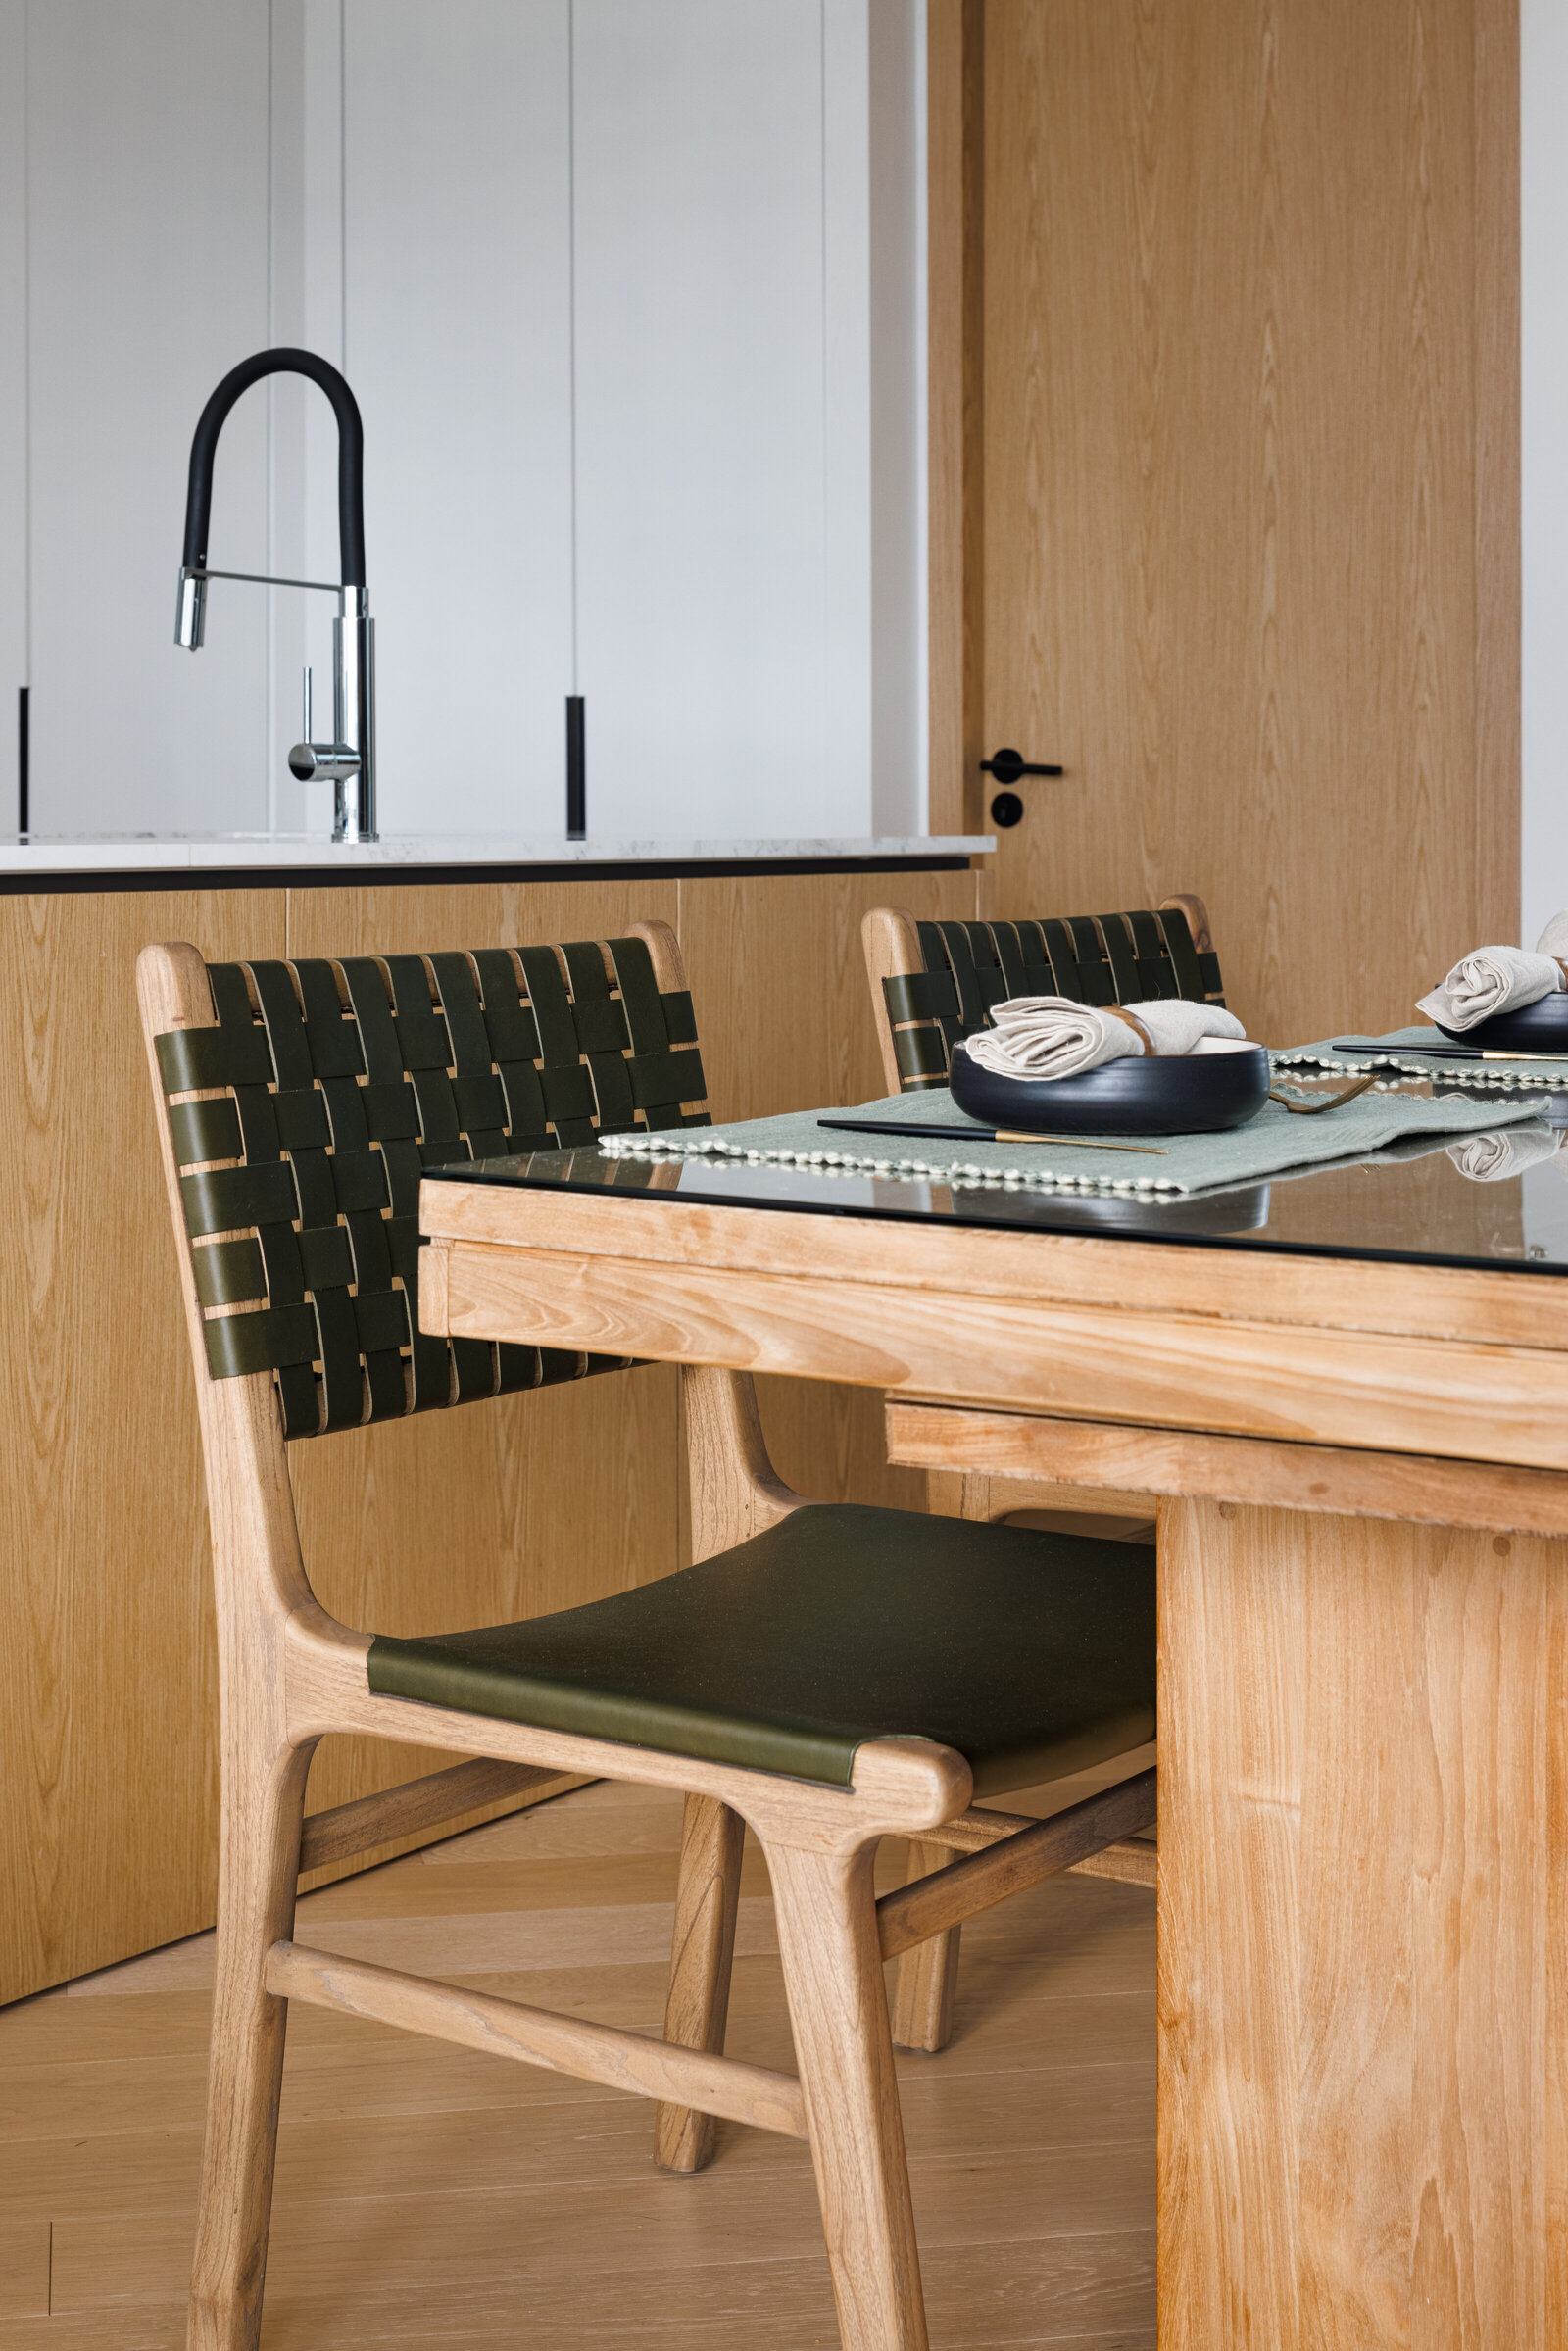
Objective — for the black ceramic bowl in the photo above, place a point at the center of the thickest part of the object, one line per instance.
(1224, 1084)
(1537, 1028)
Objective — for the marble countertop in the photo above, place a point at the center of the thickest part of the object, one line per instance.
(174, 853)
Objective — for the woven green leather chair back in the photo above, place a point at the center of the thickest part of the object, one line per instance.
(302, 1122)
(1094, 959)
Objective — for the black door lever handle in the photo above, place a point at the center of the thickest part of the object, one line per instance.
(1008, 766)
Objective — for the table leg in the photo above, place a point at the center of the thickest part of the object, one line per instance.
(1363, 1932)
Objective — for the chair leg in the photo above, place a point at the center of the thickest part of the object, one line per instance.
(704, 1951)
(255, 1909)
(825, 1904)
(926, 1976)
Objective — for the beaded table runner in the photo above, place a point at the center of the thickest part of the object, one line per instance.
(1175, 1165)
(1385, 1052)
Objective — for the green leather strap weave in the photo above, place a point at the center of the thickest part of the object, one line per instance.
(342, 1082)
(1093, 958)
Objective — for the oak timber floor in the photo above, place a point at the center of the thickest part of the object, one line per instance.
(427, 2195)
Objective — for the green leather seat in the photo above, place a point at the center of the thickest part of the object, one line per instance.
(1031, 1653)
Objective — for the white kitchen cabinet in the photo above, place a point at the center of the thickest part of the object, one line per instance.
(606, 308)
(600, 273)
(146, 279)
(456, 280)
(703, 414)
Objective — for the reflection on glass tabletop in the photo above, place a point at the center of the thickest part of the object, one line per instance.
(1501, 1202)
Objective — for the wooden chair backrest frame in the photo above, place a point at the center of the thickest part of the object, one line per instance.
(935, 982)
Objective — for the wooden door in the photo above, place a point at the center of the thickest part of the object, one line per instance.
(1225, 506)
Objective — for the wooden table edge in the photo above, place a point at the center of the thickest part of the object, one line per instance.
(1513, 1308)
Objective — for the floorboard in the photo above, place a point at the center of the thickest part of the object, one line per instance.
(429, 2196)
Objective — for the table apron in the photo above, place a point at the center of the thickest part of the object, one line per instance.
(1033, 1454)
(1458, 1399)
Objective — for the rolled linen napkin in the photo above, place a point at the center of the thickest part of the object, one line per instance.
(1496, 978)
(1051, 1037)
(1488, 1158)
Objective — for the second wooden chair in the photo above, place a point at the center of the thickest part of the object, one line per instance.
(935, 982)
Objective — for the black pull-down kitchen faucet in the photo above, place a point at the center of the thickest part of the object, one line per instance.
(349, 760)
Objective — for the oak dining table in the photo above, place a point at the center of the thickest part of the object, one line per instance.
(1348, 1390)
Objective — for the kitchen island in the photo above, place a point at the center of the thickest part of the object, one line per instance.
(107, 1680)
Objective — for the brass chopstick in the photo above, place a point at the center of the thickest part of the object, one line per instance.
(1079, 1142)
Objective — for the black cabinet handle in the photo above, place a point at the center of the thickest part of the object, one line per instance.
(1008, 766)
(576, 768)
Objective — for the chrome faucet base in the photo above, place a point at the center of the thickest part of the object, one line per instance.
(354, 717)
(349, 760)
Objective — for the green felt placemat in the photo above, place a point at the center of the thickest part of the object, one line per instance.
(1274, 1140)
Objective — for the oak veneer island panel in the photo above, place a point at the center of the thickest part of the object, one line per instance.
(107, 1671)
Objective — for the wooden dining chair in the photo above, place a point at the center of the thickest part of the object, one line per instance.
(932, 982)
(935, 982)
(828, 1675)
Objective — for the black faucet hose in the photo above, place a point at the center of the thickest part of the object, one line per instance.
(350, 454)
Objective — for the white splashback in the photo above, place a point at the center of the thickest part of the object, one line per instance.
(600, 273)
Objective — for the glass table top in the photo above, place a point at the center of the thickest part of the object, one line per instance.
(1413, 1202)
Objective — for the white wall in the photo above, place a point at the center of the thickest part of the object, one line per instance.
(1543, 159)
